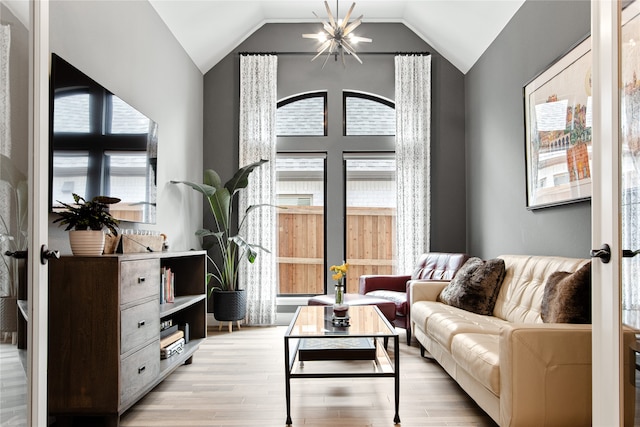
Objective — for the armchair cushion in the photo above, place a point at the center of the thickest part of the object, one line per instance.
(398, 298)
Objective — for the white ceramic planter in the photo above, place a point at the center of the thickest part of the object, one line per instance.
(86, 242)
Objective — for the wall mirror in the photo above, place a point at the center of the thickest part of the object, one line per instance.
(100, 145)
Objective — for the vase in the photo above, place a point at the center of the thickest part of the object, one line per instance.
(86, 242)
(340, 307)
(339, 293)
(229, 306)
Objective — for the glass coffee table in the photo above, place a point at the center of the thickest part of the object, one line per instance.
(314, 337)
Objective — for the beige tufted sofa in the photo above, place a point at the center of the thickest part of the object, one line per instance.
(521, 371)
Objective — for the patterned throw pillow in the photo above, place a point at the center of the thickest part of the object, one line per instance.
(475, 286)
(567, 297)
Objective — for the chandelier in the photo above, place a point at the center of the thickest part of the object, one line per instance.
(337, 36)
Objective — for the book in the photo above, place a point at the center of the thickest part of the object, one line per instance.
(168, 340)
(172, 349)
(168, 331)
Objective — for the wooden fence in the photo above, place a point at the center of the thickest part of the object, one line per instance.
(301, 247)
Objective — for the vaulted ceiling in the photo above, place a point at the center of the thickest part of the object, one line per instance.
(460, 30)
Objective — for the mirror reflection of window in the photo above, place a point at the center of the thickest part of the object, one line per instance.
(69, 174)
(125, 119)
(126, 174)
(71, 113)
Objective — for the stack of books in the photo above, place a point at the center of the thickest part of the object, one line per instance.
(171, 340)
(167, 285)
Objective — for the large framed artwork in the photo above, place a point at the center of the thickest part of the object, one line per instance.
(557, 107)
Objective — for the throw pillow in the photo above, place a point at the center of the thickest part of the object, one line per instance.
(475, 286)
(567, 297)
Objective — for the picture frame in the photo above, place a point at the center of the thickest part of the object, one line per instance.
(558, 146)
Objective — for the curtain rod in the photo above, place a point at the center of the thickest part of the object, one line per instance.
(334, 53)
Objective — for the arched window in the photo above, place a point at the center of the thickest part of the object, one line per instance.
(302, 115)
(367, 114)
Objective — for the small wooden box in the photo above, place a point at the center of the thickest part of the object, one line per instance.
(111, 243)
(136, 243)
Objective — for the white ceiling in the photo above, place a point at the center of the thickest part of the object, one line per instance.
(460, 30)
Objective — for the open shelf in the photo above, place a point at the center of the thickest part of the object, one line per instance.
(179, 303)
(168, 365)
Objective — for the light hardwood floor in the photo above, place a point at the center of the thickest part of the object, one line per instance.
(13, 385)
(237, 379)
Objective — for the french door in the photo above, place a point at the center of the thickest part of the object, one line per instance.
(615, 210)
(38, 212)
(24, 122)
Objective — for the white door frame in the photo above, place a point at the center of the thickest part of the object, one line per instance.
(38, 211)
(607, 397)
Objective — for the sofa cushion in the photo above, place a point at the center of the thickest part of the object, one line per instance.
(567, 297)
(475, 286)
(479, 355)
(398, 298)
(443, 322)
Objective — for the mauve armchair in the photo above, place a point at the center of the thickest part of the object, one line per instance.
(431, 266)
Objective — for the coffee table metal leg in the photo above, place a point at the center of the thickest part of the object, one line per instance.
(396, 356)
(287, 375)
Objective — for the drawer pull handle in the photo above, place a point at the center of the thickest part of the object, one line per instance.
(141, 323)
(141, 279)
(141, 369)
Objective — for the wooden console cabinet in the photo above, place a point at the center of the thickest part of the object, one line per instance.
(104, 330)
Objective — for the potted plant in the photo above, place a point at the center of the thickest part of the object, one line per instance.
(13, 242)
(230, 248)
(86, 220)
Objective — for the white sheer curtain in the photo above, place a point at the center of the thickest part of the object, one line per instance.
(413, 158)
(5, 150)
(258, 99)
(630, 203)
(5, 124)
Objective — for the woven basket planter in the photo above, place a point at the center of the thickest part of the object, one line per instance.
(8, 314)
(229, 306)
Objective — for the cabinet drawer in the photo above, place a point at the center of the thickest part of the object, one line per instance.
(138, 370)
(138, 325)
(139, 279)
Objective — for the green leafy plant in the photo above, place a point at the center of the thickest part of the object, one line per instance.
(231, 247)
(88, 215)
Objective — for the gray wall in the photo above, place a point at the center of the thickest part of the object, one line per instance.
(127, 48)
(498, 221)
(298, 74)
